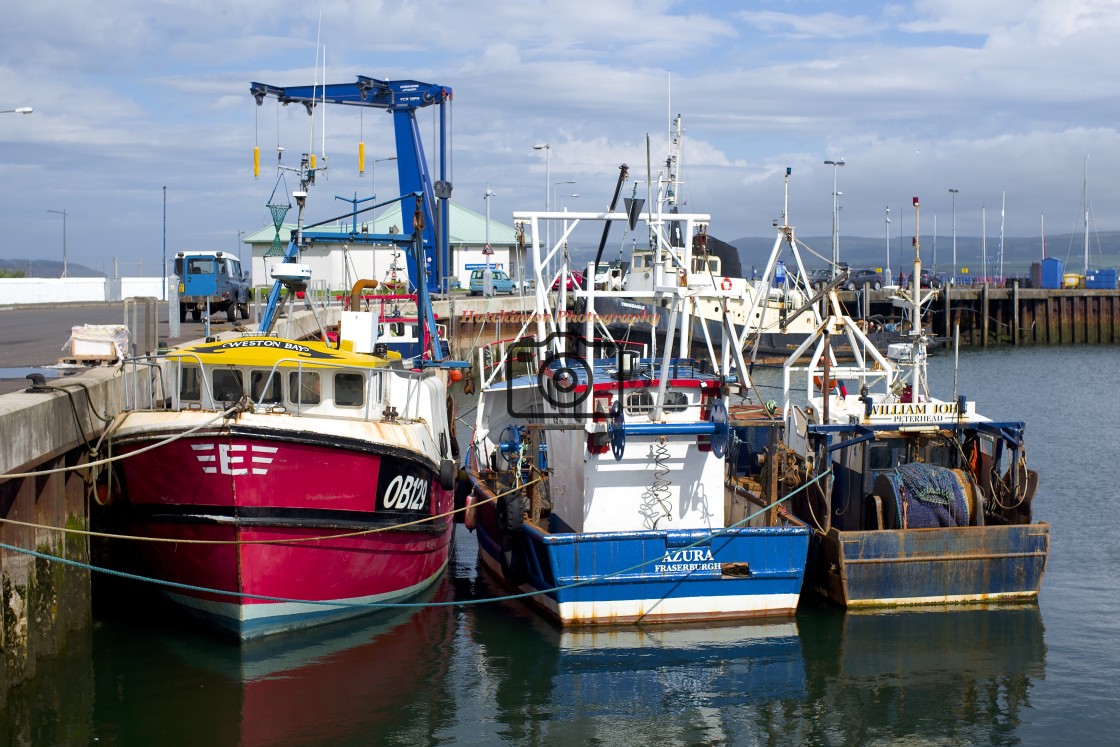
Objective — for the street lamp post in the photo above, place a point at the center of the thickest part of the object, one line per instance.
(63, 213)
(563, 209)
(561, 197)
(953, 277)
(547, 190)
(835, 216)
(488, 275)
(373, 182)
(887, 273)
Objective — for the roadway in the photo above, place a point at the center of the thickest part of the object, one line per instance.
(35, 336)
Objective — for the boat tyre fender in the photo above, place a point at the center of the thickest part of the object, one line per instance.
(463, 490)
(511, 515)
(447, 472)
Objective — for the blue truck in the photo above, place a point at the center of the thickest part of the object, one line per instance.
(211, 277)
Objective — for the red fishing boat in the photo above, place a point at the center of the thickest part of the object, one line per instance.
(289, 483)
(274, 483)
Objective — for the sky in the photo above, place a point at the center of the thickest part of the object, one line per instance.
(999, 99)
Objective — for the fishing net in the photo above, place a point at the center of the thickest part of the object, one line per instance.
(279, 212)
(933, 496)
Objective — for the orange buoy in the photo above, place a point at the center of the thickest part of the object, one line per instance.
(456, 375)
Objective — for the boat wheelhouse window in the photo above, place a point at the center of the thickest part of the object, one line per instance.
(264, 387)
(303, 387)
(886, 455)
(942, 455)
(190, 383)
(676, 401)
(227, 385)
(349, 389)
(639, 402)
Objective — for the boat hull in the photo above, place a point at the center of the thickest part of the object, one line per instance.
(262, 547)
(946, 565)
(603, 578)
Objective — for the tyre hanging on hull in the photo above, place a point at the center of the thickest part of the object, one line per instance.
(511, 539)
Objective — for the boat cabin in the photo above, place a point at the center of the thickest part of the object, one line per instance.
(866, 464)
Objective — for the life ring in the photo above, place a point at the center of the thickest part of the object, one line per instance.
(832, 385)
(818, 382)
(725, 284)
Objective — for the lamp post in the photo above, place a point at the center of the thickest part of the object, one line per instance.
(63, 213)
(373, 182)
(488, 275)
(953, 277)
(547, 190)
(163, 271)
(887, 272)
(20, 110)
(561, 197)
(835, 216)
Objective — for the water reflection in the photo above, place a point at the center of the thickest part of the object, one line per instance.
(336, 684)
(498, 672)
(957, 676)
(631, 684)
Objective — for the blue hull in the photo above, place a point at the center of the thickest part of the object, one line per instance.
(652, 575)
(948, 565)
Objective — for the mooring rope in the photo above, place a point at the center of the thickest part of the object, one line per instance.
(390, 605)
(357, 533)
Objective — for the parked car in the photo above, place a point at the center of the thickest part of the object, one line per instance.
(819, 278)
(929, 280)
(575, 280)
(859, 278)
(502, 282)
(211, 280)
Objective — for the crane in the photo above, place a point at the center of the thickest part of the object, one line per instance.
(401, 98)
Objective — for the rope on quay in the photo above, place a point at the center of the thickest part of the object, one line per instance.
(111, 459)
(386, 605)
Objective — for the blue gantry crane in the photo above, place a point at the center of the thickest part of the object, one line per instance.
(429, 229)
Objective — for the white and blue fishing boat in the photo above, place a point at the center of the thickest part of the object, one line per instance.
(598, 468)
(917, 500)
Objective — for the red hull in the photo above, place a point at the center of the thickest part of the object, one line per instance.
(236, 490)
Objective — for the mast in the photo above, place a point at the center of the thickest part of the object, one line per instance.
(917, 354)
(1002, 218)
(1085, 203)
(1042, 220)
(984, 244)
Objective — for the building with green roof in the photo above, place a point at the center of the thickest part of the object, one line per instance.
(338, 265)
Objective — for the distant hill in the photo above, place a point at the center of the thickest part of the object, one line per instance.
(48, 268)
(1019, 252)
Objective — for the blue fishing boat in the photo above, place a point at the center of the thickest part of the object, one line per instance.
(916, 500)
(597, 470)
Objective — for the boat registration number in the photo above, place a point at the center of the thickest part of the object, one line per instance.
(403, 489)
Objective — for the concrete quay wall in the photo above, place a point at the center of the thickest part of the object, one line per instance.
(45, 604)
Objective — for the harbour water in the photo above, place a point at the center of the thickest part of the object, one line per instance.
(486, 673)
